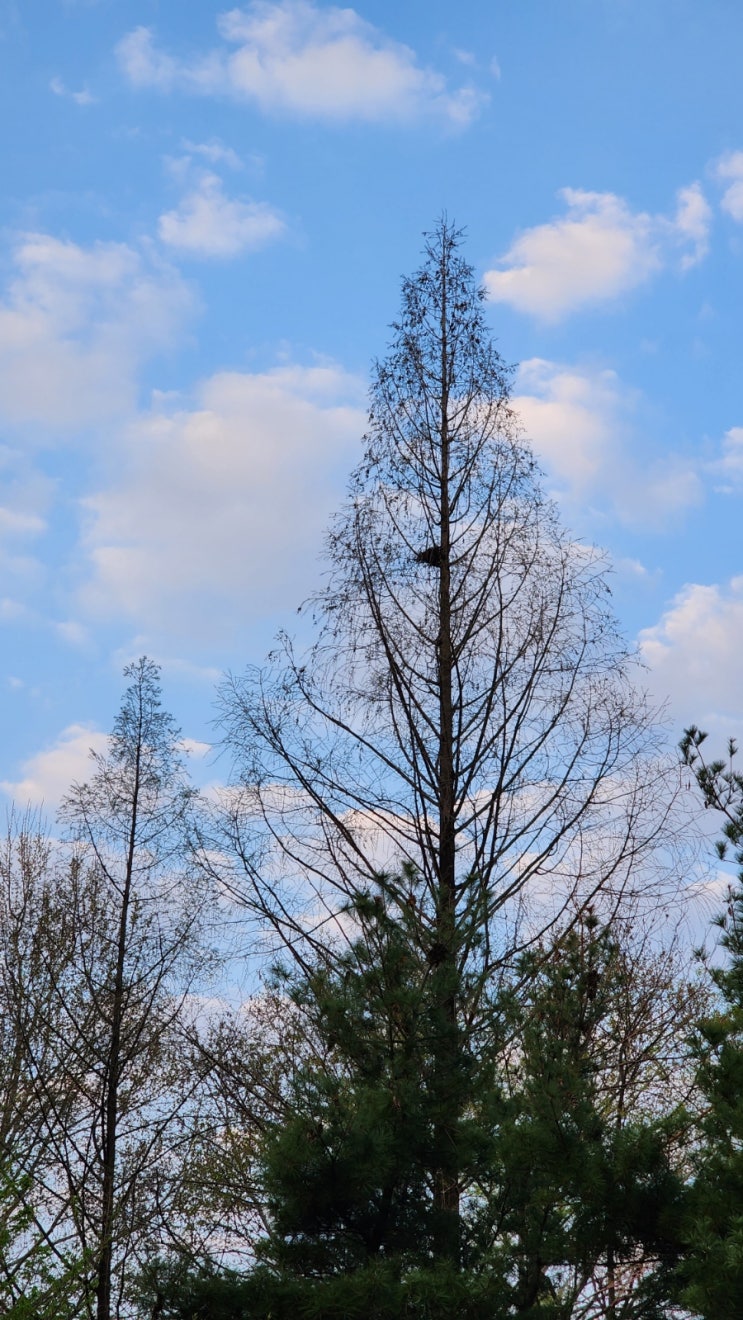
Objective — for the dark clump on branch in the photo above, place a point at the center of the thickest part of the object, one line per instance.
(431, 556)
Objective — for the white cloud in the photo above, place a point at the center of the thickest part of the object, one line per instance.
(11, 610)
(15, 523)
(297, 58)
(729, 169)
(207, 223)
(726, 471)
(694, 653)
(570, 414)
(145, 66)
(73, 634)
(193, 747)
(690, 225)
(48, 775)
(25, 497)
(730, 465)
(581, 422)
(217, 513)
(215, 152)
(632, 570)
(597, 251)
(76, 324)
(83, 97)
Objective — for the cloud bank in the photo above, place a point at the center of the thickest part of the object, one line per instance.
(216, 513)
(694, 653)
(47, 775)
(581, 421)
(76, 325)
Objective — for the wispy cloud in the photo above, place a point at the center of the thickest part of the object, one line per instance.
(581, 421)
(297, 58)
(83, 97)
(215, 152)
(729, 466)
(208, 223)
(25, 499)
(729, 170)
(597, 251)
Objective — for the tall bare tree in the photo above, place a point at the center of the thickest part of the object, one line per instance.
(466, 716)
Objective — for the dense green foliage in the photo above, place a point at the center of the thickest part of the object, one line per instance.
(712, 1272)
(560, 1190)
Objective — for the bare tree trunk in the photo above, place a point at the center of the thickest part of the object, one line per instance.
(112, 1099)
(446, 1177)
(611, 1288)
(138, 945)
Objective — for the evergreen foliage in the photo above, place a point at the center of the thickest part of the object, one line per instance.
(711, 1276)
(561, 1200)
(591, 1199)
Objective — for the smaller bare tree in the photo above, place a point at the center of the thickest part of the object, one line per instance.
(37, 1258)
(135, 917)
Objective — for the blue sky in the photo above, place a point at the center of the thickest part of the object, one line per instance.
(205, 216)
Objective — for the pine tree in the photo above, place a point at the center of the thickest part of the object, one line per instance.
(587, 1183)
(347, 1174)
(568, 1203)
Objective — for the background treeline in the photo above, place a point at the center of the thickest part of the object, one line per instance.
(474, 1073)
